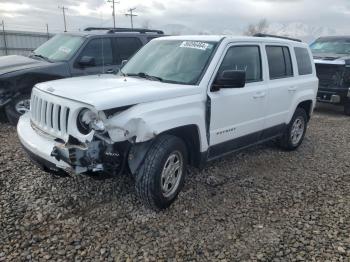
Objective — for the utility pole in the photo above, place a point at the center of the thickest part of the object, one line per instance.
(130, 13)
(47, 31)
(113, 6)
(64, 17)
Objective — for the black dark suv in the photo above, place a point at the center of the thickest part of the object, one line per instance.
(332, 59)
(93, 51)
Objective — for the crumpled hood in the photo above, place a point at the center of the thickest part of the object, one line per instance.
(12, 63)
(111, 91)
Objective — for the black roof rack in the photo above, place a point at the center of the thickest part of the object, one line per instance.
(121, 29)
(277, 36)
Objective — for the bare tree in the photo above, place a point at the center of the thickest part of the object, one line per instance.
(146, 24)
(261, 27)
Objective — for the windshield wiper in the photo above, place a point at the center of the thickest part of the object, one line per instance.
(146, 76)
(41, 56)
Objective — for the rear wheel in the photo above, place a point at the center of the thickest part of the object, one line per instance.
(160, 178)
(17, 107)
(294, 134)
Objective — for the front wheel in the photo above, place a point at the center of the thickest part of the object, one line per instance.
(17, 107)
(161, 176)
(294, 134)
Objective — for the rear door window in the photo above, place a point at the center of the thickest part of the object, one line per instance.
(126, 47)
(303, 60)
(280, 62)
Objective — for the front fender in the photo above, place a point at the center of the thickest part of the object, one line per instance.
(143, 122)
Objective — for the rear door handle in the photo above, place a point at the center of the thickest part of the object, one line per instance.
(292, 89)
(259, 95)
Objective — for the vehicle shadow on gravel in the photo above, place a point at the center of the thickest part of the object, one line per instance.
(329, 109)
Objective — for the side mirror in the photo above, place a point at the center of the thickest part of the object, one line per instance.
(230, 79)
(123, 63)
(87, 61)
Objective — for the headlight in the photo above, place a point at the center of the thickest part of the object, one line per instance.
(88, 120)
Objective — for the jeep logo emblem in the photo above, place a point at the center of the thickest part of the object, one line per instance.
(50, 89)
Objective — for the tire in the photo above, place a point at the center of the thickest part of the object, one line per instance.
(347, 108)
(294, 136)
(13, 110)
(151, 183)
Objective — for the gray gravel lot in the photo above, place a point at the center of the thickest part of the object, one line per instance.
(261, 204)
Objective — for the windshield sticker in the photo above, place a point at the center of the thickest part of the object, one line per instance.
(195, 45)
(65, 49)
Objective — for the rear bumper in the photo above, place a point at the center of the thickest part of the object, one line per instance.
(39, 146)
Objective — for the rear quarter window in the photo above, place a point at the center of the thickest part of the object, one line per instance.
(126, 47)
(303, 61)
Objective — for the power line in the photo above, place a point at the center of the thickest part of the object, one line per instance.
(64, 17)
(130, 13)
(113, 6)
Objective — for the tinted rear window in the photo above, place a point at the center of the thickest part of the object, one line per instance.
(280, 63)
(303, 60)
(126, 47)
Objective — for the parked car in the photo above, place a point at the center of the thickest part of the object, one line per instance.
(94, 51)
(332, 59)
(179, 101)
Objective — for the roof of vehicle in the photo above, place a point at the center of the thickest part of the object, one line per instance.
(93, 31)
(217, 38)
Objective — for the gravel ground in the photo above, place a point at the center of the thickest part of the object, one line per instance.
(261, 204)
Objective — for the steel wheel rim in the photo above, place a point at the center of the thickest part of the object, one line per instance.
(171, 174)
(297, 131)
(22, 106)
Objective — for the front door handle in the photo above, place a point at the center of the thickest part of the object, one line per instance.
(259, 95)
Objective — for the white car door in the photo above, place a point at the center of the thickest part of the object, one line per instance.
(282, 85)
(237, 114)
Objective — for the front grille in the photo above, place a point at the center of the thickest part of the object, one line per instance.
(49, 116)
(330, 76)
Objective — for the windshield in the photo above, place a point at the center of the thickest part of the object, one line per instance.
(171, 61)
(59, 48)
(337, 46)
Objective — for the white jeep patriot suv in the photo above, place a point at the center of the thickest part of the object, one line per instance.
(179, 101)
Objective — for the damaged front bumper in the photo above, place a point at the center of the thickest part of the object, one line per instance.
(72, 156)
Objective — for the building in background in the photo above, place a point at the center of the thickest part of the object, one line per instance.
(21, 42)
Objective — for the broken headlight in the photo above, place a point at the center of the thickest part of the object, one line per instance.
(88, 120)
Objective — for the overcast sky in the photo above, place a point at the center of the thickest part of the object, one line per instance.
(219, 16)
